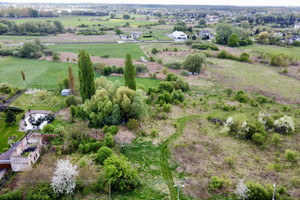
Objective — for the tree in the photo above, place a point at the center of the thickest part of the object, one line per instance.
(194, 62)
(202, 23)
(71, 80)
(59, 26)
(245, 24)
(138, 108)
(223, 33)
(23, 76)
(119, 173)
(10, 117)
(63, 180)
(112, 15)
(129, 73)
(126, 16)
(154, 51)
(263, 38)
(233, 40)
(86, 76)
(116, 115)
(41, 191)
(103, 153)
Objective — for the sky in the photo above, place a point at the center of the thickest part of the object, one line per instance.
(189, 2)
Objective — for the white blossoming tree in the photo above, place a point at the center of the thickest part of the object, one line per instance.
(285, 124)
(242, 192)
(237, 126)
(63, 180)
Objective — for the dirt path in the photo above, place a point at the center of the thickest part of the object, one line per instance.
(165, 168)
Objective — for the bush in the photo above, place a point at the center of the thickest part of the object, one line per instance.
(245, 57)
(141, 68)
(13, 195)
(279, 59)
(291, 155)
(258, 138)
(120, 70)
(132, 124)
(207, 46)
(257, 192)
(41, 191)
(71, 100)
(184, 73)
(276, 139)
(154, 133)
(216, 183)
(284, 125)
(106, 71)
(167, 107)
(173, 65)
(102, 154)
(241, 96)
(111, 129)
(49, 128)
(55, 56)
(166, 86)
(109, 140)
(154, 51)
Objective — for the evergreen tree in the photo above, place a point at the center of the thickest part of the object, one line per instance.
(71, 80)
(10, 117)
(129, 73)
(116, 115)
(86, 76)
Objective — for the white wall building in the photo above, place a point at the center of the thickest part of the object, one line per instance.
(178, 36)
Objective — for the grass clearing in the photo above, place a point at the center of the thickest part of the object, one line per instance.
(8, 130)
(292, 51)
(113, 50)
(255, 77)
(39, 74)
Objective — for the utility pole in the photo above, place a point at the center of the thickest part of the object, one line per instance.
(178, 189)
(275, 184)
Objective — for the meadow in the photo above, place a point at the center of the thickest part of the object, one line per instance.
(42, 74)
(113, 50)
(256, 77)
(73, 21)
(292, 51)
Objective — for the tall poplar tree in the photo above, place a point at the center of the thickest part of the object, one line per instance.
(86, 76)
(71, 80)
(129, 73)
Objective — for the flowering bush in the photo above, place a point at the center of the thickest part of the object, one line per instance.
(284, 125)
(63, 180)
(236, 126)
(242, 191)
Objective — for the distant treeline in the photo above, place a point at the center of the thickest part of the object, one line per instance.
(8, 27)
(25, 12)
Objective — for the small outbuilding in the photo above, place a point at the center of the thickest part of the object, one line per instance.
(65, 92)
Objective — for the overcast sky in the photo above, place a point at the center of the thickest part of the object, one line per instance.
(191, 2)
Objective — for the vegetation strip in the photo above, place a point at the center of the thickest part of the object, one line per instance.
(164, 156)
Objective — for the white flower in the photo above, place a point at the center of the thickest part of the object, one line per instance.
(262, 118)
(63, 180)
(242, 192)
(286, 123)
(229, 122)
(244, 127)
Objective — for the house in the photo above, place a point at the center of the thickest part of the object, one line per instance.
(297, 25)
(204, 34)
(278, 34)
(294, 39)
(23, 154)
(65, 92)
(135, 35)
(211, 18)
(178, 36)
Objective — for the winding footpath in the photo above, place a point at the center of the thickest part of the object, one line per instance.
(165, 168)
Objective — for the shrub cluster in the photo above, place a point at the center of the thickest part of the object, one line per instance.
(107, 70)
(244, 57)
(206, 46)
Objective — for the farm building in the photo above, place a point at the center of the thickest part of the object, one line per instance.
(23, 154)
(65, 92)
(178, 36)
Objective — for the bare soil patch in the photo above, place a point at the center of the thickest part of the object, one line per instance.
(124, 136)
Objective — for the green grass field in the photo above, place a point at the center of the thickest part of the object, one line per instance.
(89, 20)
(113, 50)
(7, 130)
(292, 51)
(39, 74)
(255, 77)
(44, 74)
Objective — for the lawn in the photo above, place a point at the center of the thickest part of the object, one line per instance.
(113, 50)
(7, 130)
(255, 77)
(292, 51)
(39, 74)
(146, 82)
